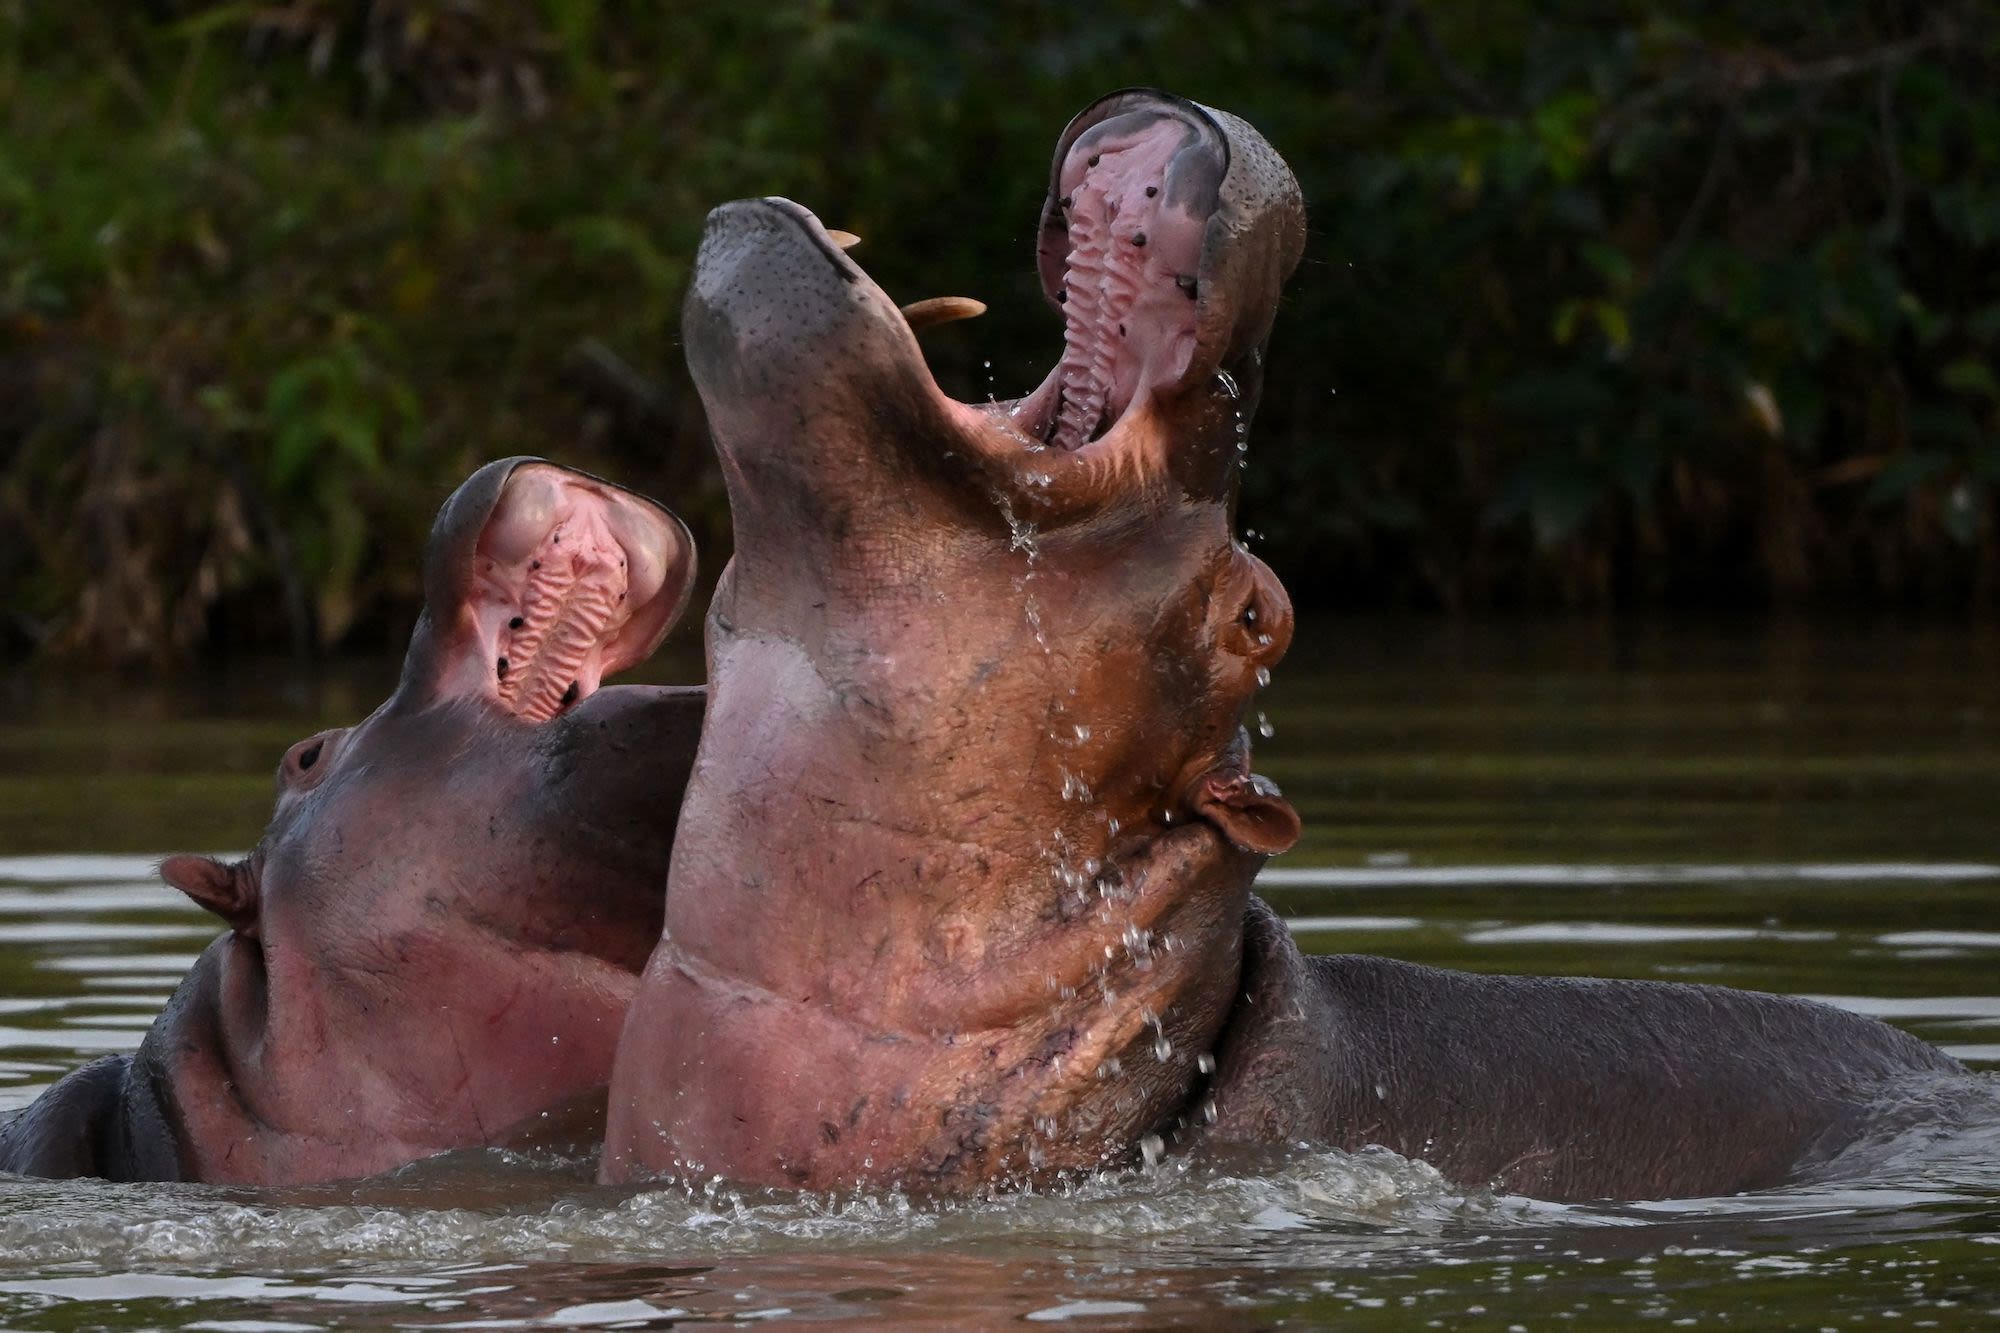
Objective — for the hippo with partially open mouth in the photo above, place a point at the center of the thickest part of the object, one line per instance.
(434, 942)
(961, 892)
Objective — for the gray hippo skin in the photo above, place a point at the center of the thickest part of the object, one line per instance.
(961, 893)
(1560, 1088)
(434, 942)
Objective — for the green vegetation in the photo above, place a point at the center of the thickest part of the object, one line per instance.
(1606, 303)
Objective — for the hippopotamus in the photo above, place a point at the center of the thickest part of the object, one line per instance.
(959, 888)
(960, 897)
(433, 944)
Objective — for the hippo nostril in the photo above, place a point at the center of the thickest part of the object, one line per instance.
(310, 755)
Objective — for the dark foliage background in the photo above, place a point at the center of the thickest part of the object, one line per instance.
(1617, 302)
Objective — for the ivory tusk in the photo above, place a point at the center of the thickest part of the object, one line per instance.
(942, 310)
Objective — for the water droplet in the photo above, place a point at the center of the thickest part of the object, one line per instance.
(1227, 382)
(1381, 1092)
(1208, 1112)
(1082, 733)
(1263, 676)
(1152, 1149)
(1205, 1062)
(1264, 727)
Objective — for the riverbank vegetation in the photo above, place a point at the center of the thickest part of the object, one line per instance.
(1605, 304)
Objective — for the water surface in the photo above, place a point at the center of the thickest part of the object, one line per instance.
(1807, 809)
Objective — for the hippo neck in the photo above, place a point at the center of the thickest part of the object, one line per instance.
(880, 884)
(245, 1044)
(1091, 1038)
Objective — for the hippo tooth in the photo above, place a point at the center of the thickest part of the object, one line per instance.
(937, 310)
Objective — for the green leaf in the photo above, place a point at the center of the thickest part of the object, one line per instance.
(1970, 376)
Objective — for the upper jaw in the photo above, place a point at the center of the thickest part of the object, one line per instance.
(773, 294)
(780, 315)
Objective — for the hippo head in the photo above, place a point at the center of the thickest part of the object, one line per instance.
(436, 935)
(973, 825)
(1100, 504)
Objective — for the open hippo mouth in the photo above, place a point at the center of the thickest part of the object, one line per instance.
(569, 579)
(1121, 252)
(1166, 234)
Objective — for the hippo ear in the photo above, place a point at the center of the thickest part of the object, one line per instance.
(539, 581)
(1250, 810)
(229, 891)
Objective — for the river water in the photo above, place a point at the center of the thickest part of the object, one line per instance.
(1798, 808)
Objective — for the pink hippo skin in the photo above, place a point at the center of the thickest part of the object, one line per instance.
(435, 940)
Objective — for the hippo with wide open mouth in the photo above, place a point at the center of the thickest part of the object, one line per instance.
(963, 865)
(961, 892)
(434, 942)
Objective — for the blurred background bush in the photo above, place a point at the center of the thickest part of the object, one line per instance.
(1606, 304)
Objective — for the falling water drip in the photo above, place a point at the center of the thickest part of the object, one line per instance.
(1152, 1149)
(1205, 1062)
(1227, 381)
(1263, 676)
(1264, 727)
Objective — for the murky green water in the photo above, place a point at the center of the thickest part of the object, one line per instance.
(1810, 810)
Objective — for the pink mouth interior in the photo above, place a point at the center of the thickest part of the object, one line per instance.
(561, 573)
(1129, 280)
